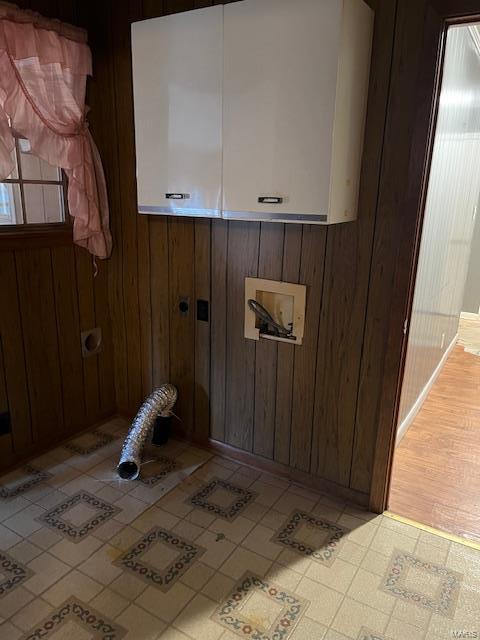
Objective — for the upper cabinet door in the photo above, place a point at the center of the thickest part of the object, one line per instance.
(295, 89)
(177, 82)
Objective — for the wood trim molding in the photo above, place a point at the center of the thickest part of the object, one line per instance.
(13, 461)
(283, 471)
(38, 236)
(269, 466)
(420, 34)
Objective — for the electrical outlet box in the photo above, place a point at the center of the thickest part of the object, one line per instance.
(284, 301)
(5, 423)
(202, 310)
(91, 342)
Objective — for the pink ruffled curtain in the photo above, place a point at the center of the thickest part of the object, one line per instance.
(43, 70)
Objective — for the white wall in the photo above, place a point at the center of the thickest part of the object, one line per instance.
(453, 193)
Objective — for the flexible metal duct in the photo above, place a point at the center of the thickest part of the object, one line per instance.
(159, 403)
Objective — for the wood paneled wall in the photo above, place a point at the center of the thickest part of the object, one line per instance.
(294, 405)
(48, 296)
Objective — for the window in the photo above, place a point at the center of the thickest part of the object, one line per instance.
(34, 193)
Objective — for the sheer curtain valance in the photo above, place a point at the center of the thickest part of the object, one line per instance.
(43, 70)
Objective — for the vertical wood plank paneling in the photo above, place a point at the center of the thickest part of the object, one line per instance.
(152, 8)
(103, 319)
(48, 8)
(117, 312)
(103, 124)
(182, 325)
(286, 352)
(345, 292)
(202, 330)
(3, 382)
(270, 267)
(148, 9)
(14, 355)
(66, 11)
(104, 90)
(256, 392)
(417, 37)
(6, 440)
(37, 309)
(68, 335)
(100, 93)
(243, 245)
(40, 322)
(122, 15)
(176, 6)
(154, 277)
(160, 300)
(372, 338)
(86, 306)
(145, 302)
(311, 274)
(340, 340)
(218, 365)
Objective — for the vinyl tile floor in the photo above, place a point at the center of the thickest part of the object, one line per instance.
(202, 548)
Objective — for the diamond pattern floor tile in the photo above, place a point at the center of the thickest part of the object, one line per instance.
(202, 548)
(77, 620)
(425, 584)
(311, 536)
(261, 609)
(21, 481)
(12, 574)
(78, 516)
(90, 442)
(160, 557)
(157, 469)
(222, 498)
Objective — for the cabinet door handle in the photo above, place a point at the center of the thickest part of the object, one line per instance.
(270, 200)
(177, 196)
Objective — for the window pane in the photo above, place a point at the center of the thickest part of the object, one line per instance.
(32, 167)
(10, 204)
(14, 173)
(43, 203)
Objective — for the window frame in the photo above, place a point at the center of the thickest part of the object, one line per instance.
(23, 235)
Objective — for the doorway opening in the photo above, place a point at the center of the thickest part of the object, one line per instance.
(436, 467)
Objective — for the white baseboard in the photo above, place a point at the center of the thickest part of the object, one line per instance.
(407, 421)
(466, 315)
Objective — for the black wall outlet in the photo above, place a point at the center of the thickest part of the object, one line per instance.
(202, 310)
(5, 423)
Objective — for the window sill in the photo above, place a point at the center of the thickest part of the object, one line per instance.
(35, 236)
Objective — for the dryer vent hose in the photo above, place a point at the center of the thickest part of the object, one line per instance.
(159, 403)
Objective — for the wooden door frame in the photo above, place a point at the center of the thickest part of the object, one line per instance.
(415, 83)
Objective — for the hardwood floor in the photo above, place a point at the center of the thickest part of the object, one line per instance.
(436, 470)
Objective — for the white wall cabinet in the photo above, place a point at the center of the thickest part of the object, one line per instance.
(177, 86)
(294, 107)
(255, 110)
